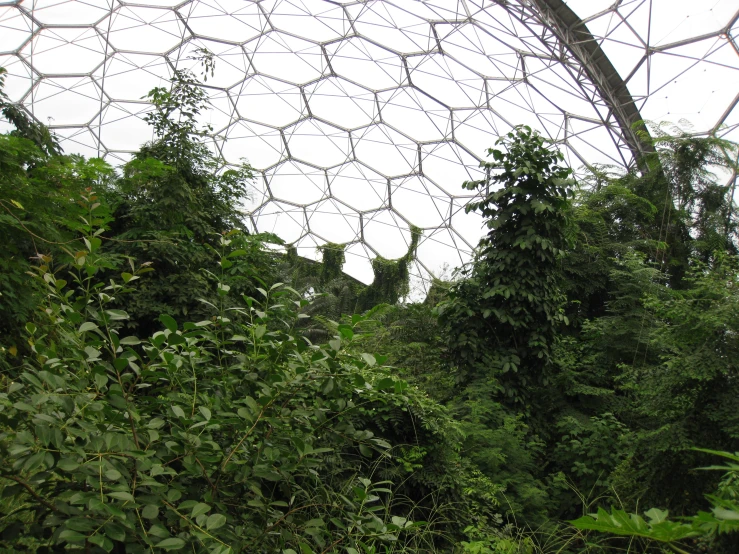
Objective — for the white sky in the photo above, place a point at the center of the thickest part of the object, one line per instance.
(367, 117)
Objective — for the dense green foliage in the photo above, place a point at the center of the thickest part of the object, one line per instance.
(205, 434)
(172, 205)
(170, 382)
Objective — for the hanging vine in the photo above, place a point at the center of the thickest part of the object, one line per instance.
(392, 277)
(333, 261)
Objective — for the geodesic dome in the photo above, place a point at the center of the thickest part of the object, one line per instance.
(363, 118)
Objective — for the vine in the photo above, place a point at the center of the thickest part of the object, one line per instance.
(333, 261)
(392, 277)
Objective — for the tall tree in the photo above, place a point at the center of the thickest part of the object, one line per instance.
(175, 203)
(39, 187)
(502, 317)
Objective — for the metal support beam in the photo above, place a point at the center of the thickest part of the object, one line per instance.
(574, 34)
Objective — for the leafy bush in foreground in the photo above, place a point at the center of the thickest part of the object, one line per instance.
(206, 436)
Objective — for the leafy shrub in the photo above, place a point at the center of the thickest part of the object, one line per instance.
(207, 436)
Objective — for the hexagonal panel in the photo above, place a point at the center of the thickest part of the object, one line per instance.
(297, 183)
(123, 126)
(268, 101)
(469, 227)
(261, 146)
(285, 57)
(358, 186)
(419, 201)
(334, 222)
(257, 197)
(67, 12)
(285, 220)
(232, 65)
(366, 64)
(65, 51)
(679, 20)
(478, 130)
(408, 32)
(313, 19)
(131, 76)
(448, 165)
(385, 150)
(18, 79)
(480, 51)
(415, 114)
(441, 249)
(145, 30)
(231, 20)
(79, 96)
(447, 81)
(387, 234)
(15, 28)
(82, 141)
(341, 102)
(318, 143)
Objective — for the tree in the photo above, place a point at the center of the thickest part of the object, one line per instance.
(175, 203)
(502, 318)
(39, 187)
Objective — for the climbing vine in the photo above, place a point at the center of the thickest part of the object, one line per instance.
(511, 296)
(333, 260)
(392, 277)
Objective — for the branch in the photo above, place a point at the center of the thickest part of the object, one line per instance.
(33, 493)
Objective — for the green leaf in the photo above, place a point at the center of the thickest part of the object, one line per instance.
(385, 383)
(158, 531)
(67, 464)
(236, 253)
(168, 322)
(150, 512)
(656, 516)
(87, 326)
(215, 521)
(347, 333)
(253, 406)
(156, 423)
(199, 509)
(179, 412)
(115, 531)
(72, 536)
(618, 522)
(116, 315)
(102, 541)
(130, 341)
(101, 380)
(173, 543)
(121, 495)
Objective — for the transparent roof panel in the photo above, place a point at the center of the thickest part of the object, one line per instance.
(363, 118)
